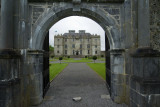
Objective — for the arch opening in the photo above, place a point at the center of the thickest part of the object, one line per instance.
(106, 50)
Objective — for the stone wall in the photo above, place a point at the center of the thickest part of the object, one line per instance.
(39, 9)
(93, 1)
(144, 81)
(155, 24)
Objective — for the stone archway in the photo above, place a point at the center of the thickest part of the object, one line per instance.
(50, 17)
(22, 39)
(104, 19)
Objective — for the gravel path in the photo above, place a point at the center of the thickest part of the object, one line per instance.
(78, 80)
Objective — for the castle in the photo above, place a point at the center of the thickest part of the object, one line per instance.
(77, 44)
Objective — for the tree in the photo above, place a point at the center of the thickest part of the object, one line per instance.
(60, 58)
(51, 48)
(94, 58)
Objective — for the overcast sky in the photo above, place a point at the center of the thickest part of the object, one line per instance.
(76, 23)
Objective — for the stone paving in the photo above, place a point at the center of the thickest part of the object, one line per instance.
(78, 80)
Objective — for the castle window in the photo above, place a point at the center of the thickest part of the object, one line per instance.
(57, 51)
(81, 46)
(65, 40)
(96, 40)
(88, 45)
(58, 39)
(88, 52)
(81, 39)
(88, 39)
(66, 52)
(73, 45)
(95, 52)
(73, 39)
(65, 46)
(73, 52)
(57, 46)
(81, 52)
(95, 46)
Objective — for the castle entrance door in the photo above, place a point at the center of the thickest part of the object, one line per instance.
(77, 53)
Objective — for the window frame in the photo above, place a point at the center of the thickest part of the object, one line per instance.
(73, 45)
(65, 52)
(88, 45)
(96, 52)
(80, 46)
(65, 46)
(88, 52)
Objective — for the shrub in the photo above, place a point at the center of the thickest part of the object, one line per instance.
(52, 56)
(60, 58)
(102, 56)
(68, 56)
(94, 58)
(85, 56)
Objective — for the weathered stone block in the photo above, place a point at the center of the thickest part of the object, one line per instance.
(154, 100)
(138, 67)
(118, 78)
(142, 90)
(127, 95)
(151, 68)
(118, 92)
(10, 93)
(35, 66)
(133, 104)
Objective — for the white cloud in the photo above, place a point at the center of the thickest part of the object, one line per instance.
(76, 23)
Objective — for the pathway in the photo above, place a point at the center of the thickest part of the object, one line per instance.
(78, 80)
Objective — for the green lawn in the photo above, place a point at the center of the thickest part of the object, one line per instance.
(55, 69)
(99, 68)
(81, 60)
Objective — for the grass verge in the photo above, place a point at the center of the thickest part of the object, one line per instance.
(55, 69)
(99, 68)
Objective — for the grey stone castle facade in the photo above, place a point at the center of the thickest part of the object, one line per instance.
(77, 44)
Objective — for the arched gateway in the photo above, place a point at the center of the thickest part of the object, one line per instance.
(24, 76)
(56, 13)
